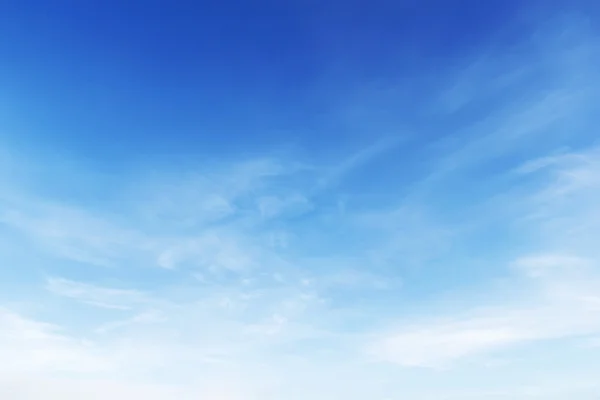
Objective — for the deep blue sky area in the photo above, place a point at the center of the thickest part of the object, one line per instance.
(127, 80)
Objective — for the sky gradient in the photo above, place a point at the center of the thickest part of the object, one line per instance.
(290, 200)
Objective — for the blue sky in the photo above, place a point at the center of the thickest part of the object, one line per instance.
(246, 200)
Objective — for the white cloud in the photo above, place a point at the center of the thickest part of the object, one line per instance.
(439, 343)
(208, 195)
(359, 159)
(123, 299)
(29, 346)
(557, 296)
(272, 206)
(73, 233)
(35, 387)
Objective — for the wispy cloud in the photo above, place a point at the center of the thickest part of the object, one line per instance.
(35, 347)
(557, 293)
(556, 309)
(95, 295)
(362, 157)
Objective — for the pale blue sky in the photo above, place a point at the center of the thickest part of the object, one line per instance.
(240, 200)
